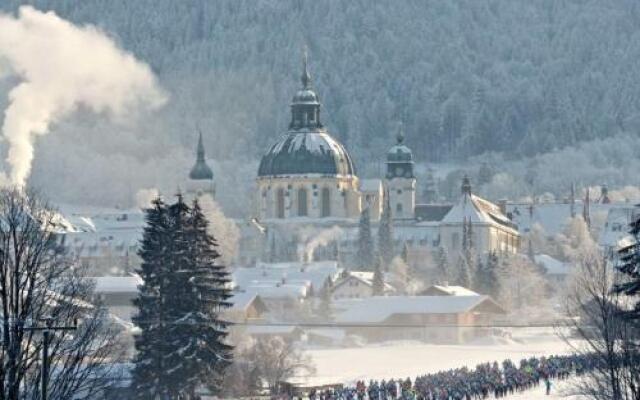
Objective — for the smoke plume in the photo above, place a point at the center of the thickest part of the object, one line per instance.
(62, 67)
(320, 239)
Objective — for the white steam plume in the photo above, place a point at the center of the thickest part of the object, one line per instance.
(63, 67)
(320, 239)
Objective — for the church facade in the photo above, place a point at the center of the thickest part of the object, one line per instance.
(307, 184)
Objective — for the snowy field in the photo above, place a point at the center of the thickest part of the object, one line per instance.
(409, 359)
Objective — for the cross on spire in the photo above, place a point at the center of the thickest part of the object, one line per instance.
(306, 78)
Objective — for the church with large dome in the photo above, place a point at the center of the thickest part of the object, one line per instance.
(307, 173)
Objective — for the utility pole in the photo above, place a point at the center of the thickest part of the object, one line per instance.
(47, 330)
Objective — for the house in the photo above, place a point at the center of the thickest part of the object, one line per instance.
(117, 294)
(434, 319)
(356, 285)
(245, 307)
(556, 271)
(447, 290)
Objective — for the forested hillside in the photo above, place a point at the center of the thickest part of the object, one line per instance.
(466, 76)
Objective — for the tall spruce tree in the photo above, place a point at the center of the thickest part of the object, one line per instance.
(151, 302)
(629, 265)
(486, 275)
(365, 242)
(188, 337)
(443, 274)
(463, 272)
(378, 279)
(385, 234)
(325, 308)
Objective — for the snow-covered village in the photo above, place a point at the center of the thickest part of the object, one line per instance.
(329, 200)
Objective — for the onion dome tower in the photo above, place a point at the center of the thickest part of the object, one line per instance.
(201, 176)
(400, 178)
(307, 172)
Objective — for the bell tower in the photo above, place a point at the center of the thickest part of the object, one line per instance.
(400, 179)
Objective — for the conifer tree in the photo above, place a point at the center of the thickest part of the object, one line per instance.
(486, 276)
(442, 266)
(366, 249)
(385, 234)
(181, 346)
(150, 318)
(378, 279)
(325, 309)
(629, 265)
(463, 272)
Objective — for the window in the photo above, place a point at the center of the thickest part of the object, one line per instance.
(399, 209)
(302, 202)
(326, 203)
(280, 203)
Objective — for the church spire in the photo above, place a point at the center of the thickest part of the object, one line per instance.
(306, 78)
(466, 185)
(200, 150)
(200, 170)
(400, 133)
(305, 107)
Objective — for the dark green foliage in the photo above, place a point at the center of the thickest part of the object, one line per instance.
(443, 275)
(629, 265)
(378, 279)
(486, 276)
(385, 234)
(181, 346)
(366, 250)
(325, 308)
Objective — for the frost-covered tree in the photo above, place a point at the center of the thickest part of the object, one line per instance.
(325, 306)
(486, 277)
(377, 287)
(181, 347)
(442, 268)
(629, 265)
(385, 234)
(463, 272)
(366, 248)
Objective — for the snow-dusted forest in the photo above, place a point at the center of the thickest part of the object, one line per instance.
(467, 77)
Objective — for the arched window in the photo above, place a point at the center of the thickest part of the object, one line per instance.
(302, 202)
(280, 203)
(399, 209)
(326, 202)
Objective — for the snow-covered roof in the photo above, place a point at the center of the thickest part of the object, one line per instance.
(117, 284)
(477, 210)
(616, 228)
(553, 217)
(316, 273)
(242, 300)
(293, 291)
(378, 309)
(552, 265)
(447, 290)
(365, 277)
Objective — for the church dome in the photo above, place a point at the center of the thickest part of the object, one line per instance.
(304, 153)
(307, 148)
(399, 152)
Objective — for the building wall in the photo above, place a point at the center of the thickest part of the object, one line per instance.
(402, 197)
(351, 288)
(344, 197)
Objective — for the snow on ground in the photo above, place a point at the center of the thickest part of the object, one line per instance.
(409, 359)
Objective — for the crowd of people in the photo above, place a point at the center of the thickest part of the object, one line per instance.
(483, 382)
